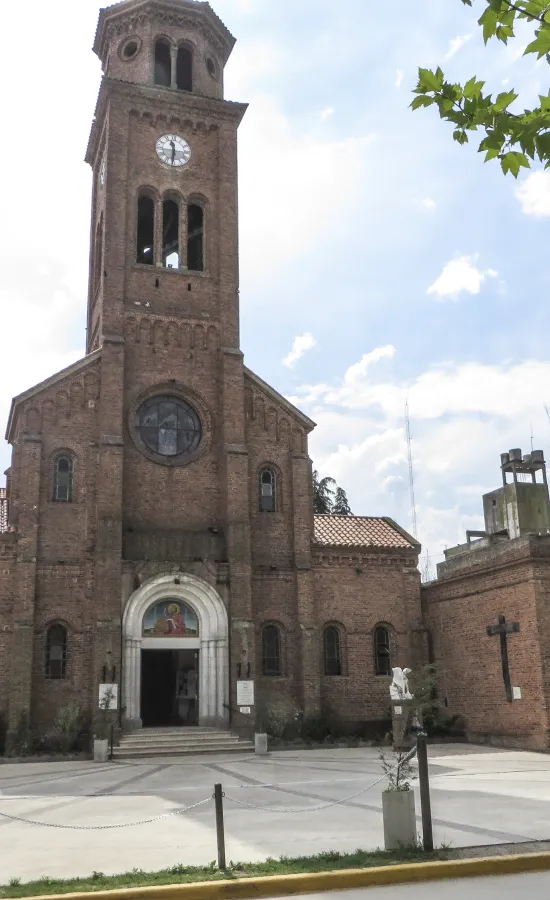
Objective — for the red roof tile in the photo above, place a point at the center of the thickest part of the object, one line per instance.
(360, 531)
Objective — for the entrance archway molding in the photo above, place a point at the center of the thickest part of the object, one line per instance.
(213, 644)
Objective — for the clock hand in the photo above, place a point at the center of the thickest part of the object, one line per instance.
(173, 146)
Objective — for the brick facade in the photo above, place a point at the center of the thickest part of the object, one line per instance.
(511, 580)
(503, 571)
(155, 331)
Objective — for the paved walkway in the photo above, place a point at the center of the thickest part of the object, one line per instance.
(479, 796)
(503, 887)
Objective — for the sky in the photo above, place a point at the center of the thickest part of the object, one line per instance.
(381, 263)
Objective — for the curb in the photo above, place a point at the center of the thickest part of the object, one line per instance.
(309, 883)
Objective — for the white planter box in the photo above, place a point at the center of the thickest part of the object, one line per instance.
(399, 819)
(260, 744)
(101, 751)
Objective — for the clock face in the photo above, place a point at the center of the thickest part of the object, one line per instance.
(173, 150)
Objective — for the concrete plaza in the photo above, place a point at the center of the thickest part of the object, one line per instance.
(479, 796)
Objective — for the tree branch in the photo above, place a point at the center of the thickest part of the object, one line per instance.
(529, 16)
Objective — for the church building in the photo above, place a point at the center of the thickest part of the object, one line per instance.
(157, 529)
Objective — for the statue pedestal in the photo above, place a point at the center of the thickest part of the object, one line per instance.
(401, 711)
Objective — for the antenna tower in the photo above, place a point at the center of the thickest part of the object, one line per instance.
(411, 473)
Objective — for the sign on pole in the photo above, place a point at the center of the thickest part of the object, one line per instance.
(245, 693)
(108, 696)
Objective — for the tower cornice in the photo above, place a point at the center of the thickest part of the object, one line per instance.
(177, 107)
(123, 18)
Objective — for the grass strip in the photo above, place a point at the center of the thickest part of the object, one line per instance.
(180, 874)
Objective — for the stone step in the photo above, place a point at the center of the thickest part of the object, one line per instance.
(179, 729)
(152, 742)
(183, 735)
(188, 743)
(198, 748)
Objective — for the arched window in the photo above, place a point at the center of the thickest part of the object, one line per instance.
(145, 251)
(98, 252)
(184, 69)
(268, 491)
(56, 652)
(63, 479)
(163, 63)
(170, 234)
(382, 655)
(195, 238)
(271, 651)
(332, 650)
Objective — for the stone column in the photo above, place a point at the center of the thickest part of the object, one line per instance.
(401, 711)
(174, 66)
(222, 666)
(131, 683)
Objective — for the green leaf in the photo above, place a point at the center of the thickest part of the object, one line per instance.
(513, 162)
(473, 88)
(504, 32)
(460, 136)
(542, 142)
(504, 100)
(493, 141)
(432, 81)
(541, 44)
(489, 22)
(423, 100)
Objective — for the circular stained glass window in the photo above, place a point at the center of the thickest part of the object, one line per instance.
(169, 426)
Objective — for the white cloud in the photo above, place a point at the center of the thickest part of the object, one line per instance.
(428, 203)
(456, 44)
(302, 343)
(277, 162)
(399, 75)
(534, 194)
(327, 113)
(518, 52)
(462, 416)
(460, 275)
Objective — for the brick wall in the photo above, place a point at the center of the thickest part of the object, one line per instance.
(459, 607)
(358, 593)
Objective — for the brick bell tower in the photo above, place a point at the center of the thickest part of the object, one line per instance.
(172, 477)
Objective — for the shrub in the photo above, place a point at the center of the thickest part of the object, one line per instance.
(19, 741)
(66, 730)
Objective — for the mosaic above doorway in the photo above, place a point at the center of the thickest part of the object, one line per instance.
(170, 618)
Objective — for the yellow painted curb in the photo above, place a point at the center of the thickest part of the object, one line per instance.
(311, 883)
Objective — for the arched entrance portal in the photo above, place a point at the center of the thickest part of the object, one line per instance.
(178, 617)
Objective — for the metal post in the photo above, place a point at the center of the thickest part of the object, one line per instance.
(424, 779)
(220, 831)
(112, 740)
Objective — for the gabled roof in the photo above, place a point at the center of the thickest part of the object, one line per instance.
(128, 8)
(304, 420)
(49, 382)
(361, 531)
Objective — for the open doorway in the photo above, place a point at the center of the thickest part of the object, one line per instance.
(169, 688)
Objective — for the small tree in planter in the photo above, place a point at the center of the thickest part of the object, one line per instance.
(398, 801)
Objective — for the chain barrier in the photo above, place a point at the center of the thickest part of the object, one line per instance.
(184, 809)
(331, 803)
(174, 812)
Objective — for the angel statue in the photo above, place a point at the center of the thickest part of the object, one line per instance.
(399, 688)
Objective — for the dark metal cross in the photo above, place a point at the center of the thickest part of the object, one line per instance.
(503, 629)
